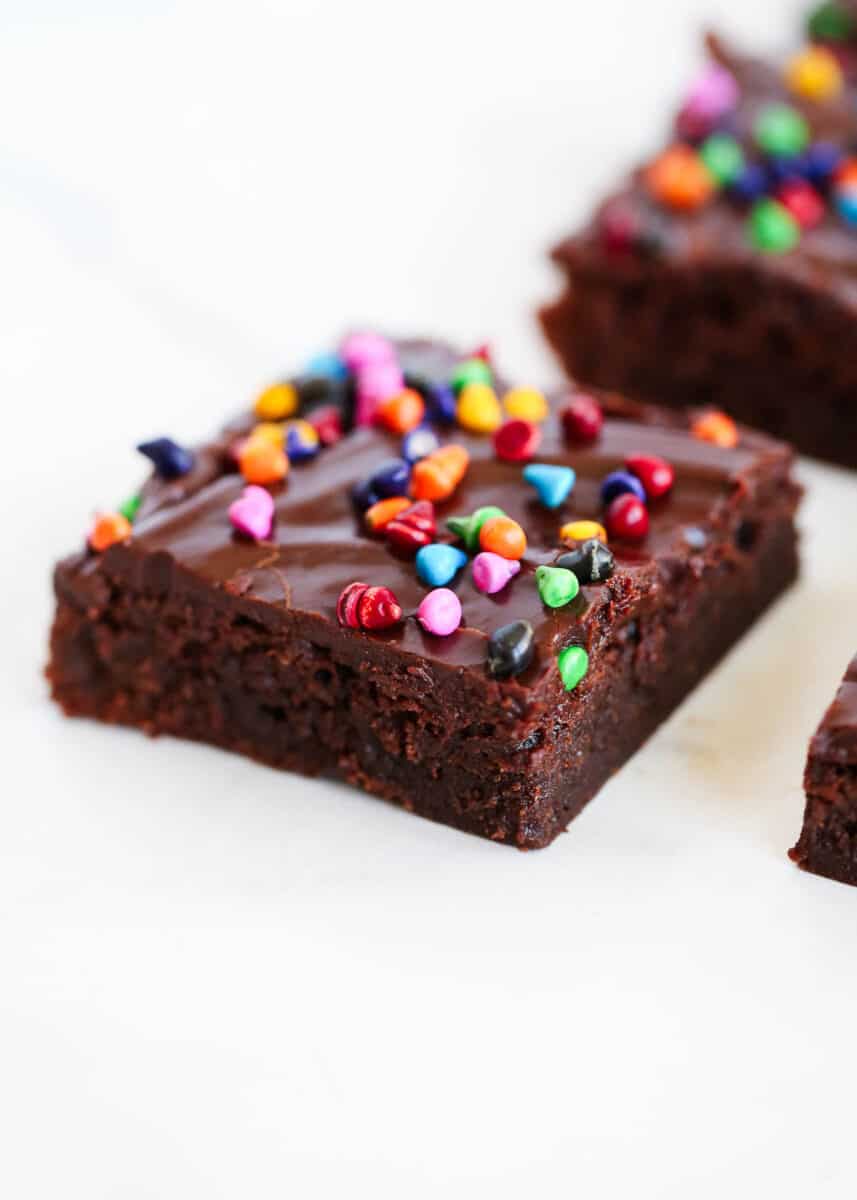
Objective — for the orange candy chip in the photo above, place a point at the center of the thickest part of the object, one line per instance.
(716, 427)
(503, 536)
(380, 515)
(438, 475)
(261, 461)
(846, 172)
(680, 179)
(109, 528)
(401, 413)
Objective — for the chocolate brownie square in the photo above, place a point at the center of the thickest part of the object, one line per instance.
(525, 599)
(723, 271)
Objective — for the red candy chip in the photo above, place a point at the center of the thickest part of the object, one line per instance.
(803, 202)
(348, 602)
(327, 422)
(619, 228)
(378, 608)
(413, 528)
(627, 518)
(582, 418)
(516, 440)
(655, 474)
(420, 515)
(406, 537)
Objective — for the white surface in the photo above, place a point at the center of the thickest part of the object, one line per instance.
(220, 981)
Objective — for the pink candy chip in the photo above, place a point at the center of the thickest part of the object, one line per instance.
(376, 382)
(361, 350)
(253, 513)
(491, 572)
(714, 94)
(440, 612)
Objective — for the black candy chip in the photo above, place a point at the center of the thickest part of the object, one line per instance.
(591, 562)
(510, 649)
(316, 391)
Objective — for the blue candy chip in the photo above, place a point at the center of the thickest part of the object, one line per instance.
(822, 159)
(437, 564)
(441, 403)
(170, 460)
(845, 200)
(326, 366)
(364, 495)
(391, 478)
(618, 482)
(751, 183)
(299, 447)
(552, 483)
(419, 443)
(788, 170)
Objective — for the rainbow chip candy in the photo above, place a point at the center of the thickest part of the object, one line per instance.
(301, 440)
(845, 190)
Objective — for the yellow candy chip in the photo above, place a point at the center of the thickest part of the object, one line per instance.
(526, 404)
(269, 432)
(478, 408)
(580, 531)
(814, 74)
(277, 402)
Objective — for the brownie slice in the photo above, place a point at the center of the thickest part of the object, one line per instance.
(187, 628)
(738, 291)
(828, 840)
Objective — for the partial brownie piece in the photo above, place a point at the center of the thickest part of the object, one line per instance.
(318, 645)
(828, 840)
(723, 272)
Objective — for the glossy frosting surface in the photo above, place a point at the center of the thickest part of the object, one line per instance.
(319, 543)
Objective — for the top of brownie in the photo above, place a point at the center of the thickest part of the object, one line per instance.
(670, 488)
(836, 739)
(762, 168)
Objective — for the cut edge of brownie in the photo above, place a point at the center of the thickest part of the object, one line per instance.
(828, 840)
(760, 361)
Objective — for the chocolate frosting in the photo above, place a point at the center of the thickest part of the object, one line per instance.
(319, 543)
(716, 234)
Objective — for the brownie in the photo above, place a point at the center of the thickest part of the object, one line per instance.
(733, 282)
(186, 627)
(828, 840)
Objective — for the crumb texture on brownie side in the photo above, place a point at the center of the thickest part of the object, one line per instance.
(828, 839)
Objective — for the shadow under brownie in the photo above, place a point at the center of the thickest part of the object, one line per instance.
(189, 629)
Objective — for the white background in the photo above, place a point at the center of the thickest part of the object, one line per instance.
(220, 981)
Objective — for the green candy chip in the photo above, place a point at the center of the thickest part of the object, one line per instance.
(573, 663)
(772, 227)
(471, 370)
(131, 507)
(467, 528)
(831, 22)
(723, 157)
(781, 131)
(557, 585)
